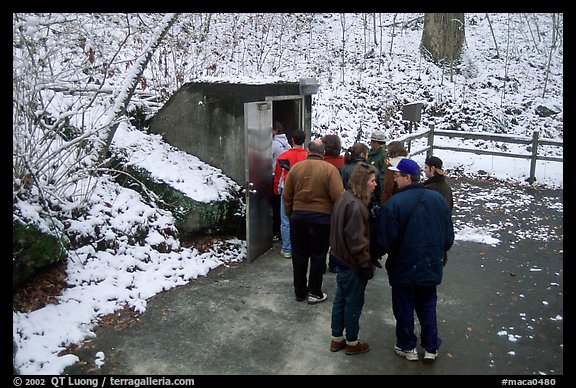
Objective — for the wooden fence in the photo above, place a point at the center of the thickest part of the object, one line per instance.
(535, 141)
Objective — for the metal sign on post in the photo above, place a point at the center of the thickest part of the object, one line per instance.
(412, 112)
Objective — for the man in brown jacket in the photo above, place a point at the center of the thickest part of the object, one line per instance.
(310, 191)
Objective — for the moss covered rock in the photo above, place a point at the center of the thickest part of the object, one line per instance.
(190, 216)
(33, 250)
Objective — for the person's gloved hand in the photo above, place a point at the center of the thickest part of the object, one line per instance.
(368, 273)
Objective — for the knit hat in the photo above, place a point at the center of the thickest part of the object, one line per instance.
(434, 161)
(406, 166)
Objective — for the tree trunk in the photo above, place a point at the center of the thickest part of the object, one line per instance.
(443, 36)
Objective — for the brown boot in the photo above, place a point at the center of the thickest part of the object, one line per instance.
(337, 345)
(357, 347)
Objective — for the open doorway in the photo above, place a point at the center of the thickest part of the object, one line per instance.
(288, 111)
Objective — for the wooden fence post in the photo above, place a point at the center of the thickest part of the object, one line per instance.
(430, 151)
(532, 177)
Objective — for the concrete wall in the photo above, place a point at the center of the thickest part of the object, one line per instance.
(207, 120)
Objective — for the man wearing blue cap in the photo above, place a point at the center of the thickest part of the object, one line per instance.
(415, 229)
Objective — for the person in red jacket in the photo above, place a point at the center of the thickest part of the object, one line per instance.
(284, 162)
(333, 155)
(333, 151)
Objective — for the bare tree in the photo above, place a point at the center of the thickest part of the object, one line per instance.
(507, 61)
(375, 37)
(392, 33)
(343, 56)
(58, 75)
(130, 83)
(553, 45)
(493, 36)
(532, 34)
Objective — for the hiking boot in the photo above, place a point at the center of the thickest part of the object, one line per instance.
(429, 356)
(359, 347)
(411, 355)
(313, 299)
(286, 255)
(337, 345)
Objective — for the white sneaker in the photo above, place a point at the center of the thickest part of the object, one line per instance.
(313, 299)
(430, 356)
(286, 255)
(410, 355)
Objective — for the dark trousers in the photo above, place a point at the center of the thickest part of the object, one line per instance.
(348, 303)
(310, 244)
(422, 299)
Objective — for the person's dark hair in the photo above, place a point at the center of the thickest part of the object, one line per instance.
(277, 126)
(355, 152)
(299, 137)
(332, 144)
(317, 147)
(396, 148)
(358, 180)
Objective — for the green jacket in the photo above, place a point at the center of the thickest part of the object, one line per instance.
(377, 159)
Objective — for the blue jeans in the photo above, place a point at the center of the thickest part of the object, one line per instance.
(422, 299)
(285, 229)
(348, 303)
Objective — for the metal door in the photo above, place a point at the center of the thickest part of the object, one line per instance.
(259, 180)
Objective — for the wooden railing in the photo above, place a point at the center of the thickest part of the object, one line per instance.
(535, 141)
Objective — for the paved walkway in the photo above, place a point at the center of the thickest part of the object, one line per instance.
(500, 309)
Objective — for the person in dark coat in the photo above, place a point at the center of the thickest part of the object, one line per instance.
(358, 153)
(437, 180)
(350, 242)
(415, 228)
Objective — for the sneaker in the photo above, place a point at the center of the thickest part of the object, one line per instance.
(275, 238)
(286, 255)
(411, 355)
(300, 298)
(313, 299)
(429, 356)
(360, 347)
(337, 345)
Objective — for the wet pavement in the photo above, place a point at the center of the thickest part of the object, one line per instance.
(500, 308)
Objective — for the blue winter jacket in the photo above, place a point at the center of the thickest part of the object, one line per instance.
(415, 243)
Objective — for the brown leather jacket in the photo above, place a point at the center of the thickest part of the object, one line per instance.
(350, 232)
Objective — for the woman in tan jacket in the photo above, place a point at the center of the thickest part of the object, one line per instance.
(396, 152)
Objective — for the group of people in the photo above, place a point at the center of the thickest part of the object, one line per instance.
(362, 207)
